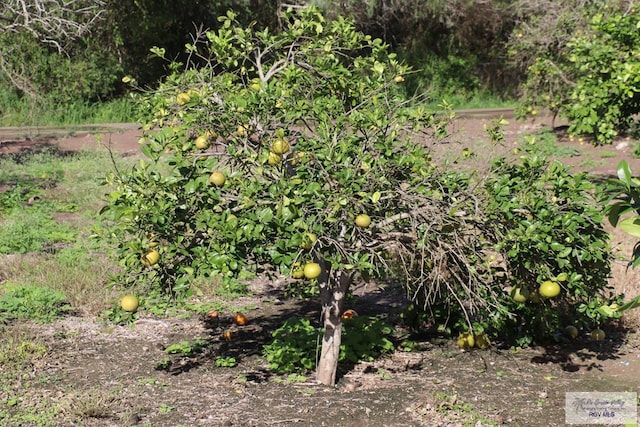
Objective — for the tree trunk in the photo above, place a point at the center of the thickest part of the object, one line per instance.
(333, 289)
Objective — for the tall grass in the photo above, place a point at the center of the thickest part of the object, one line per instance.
(19, 111)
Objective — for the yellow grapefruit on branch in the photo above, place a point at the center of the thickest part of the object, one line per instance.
(312, 270)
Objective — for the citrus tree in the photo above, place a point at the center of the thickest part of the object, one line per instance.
(591, 75)
(296, 152)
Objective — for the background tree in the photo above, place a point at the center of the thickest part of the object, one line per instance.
(580, 59)
(28, 29)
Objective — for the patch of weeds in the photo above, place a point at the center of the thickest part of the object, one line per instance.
(17, 354)
(451, 404)
(32, 230)
(295, 344)
(635, 151)
(231, 289)
(296, 378)
(21, 413)
(188, 348)
(118, 316)
(383, 374)
(545, 143)
(37, 303)
(93, 405)
(165, 409)
(607, 154)
(226, 362)
(590, 164)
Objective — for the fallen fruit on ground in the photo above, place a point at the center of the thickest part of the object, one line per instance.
(312, 270)
(280, 146)
(482, 341)
(202, 142)
(217, 179)
(363, 220)
(129, 303)
(274, 159)
(571, 331)
(227, 335)
(213, 315)
(597, 335)
(466, 341)
(549, 289)
(349, 314)
(151, 257)
(240, 319)
(519, 294)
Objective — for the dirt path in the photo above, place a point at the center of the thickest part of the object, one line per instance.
(96, 374)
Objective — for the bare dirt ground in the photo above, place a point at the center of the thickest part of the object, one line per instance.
(98, 374)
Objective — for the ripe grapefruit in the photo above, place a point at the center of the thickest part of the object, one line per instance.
(519, 294)
(363, 220)
(280, 146)
(129, 303)
(217, 178)
(151, 257)
(312, 270)
(549, 289)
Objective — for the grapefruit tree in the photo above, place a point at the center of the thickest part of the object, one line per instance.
(312, 132)
(327, 177)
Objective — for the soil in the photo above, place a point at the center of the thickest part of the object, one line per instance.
(104, 375)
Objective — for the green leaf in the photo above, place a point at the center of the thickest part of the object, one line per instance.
(624, 172)
(631, 226)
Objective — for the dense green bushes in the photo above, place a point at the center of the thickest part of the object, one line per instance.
(585, 68)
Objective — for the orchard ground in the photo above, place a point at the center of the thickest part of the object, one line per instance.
(97, 374)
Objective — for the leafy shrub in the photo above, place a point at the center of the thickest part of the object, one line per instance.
(294, 347)
(623, 209)
(86, 73)
(548, 226)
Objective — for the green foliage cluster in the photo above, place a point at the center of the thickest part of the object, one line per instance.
(295, 345)
(624, 208)
(450, 45)
(32, 303)
(548, 223)
(592, 78)
(267, 87)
